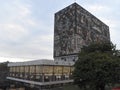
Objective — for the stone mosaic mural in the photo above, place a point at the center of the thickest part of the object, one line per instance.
(74, 28)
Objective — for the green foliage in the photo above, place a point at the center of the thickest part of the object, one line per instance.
(3, 66)
(3, 74)
(98, 65)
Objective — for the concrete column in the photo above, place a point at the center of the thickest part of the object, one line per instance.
(43, 77)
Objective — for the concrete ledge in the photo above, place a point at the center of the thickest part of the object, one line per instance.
(40, 83)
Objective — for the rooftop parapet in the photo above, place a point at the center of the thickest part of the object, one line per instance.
(41, 62)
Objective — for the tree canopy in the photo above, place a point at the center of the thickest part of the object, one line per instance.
(98, 65)
(3, 74)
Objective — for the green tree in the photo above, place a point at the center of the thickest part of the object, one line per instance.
(98, 65)
(3, 74)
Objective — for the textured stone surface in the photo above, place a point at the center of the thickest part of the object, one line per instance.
(74, 28)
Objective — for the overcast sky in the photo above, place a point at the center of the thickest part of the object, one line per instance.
(26, 26)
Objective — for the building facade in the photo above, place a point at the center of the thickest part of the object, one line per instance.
(41, 73)
(74, 28)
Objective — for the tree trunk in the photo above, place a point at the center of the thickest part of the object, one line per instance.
(102, 87)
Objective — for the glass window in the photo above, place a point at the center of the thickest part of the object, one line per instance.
(48, 70)
(26, 69)
(66, 70)
(17, 69)
(11, 69)
(32, 69)
(58, 70)
(21, 69)
(39, 69)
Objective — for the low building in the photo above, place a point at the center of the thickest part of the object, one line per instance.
(41, 72)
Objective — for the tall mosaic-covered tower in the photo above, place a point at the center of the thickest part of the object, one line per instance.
(74, 28)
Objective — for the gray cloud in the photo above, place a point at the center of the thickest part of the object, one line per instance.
(20, 35)
(26, 26)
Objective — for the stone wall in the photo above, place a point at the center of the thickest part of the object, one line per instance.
(74, 28)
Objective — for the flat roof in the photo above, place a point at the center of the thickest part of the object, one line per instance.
(41, 62)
